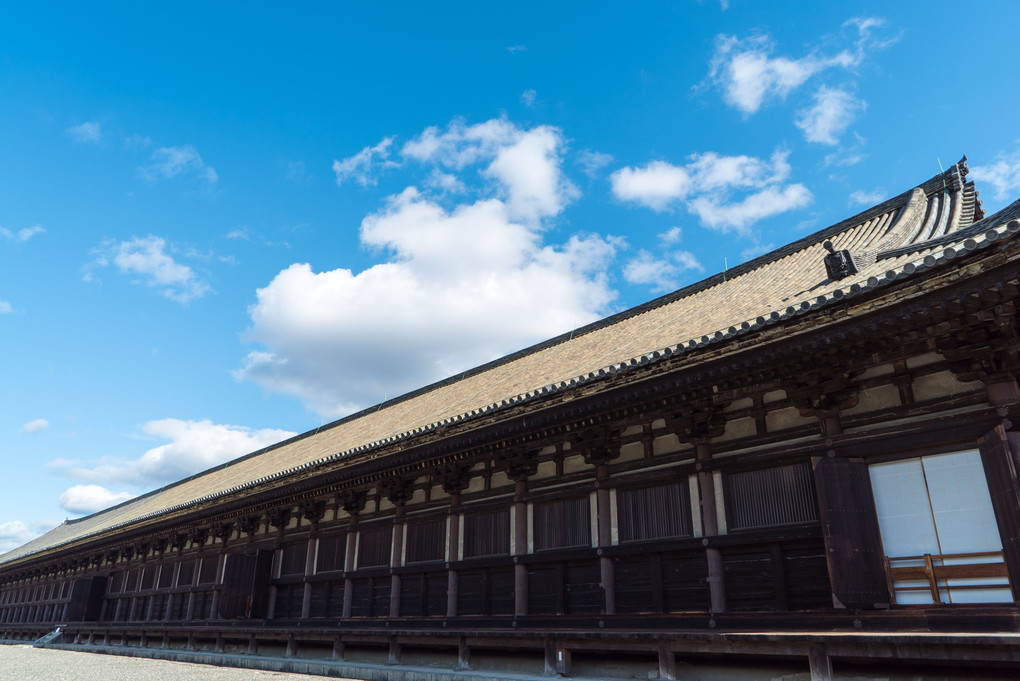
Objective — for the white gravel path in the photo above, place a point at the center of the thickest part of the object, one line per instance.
(25, 663)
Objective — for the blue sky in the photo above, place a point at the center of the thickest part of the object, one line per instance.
(223, 224)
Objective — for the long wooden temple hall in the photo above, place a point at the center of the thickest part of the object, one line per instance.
(805, 467)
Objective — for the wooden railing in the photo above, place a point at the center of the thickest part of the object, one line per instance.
(936, 571)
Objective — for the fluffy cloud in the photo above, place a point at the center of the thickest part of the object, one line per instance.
(865, 198)
(463, 286)
(360, 167)
(86, 499)
(170, 162)
(14, 533)
(708, 184)
(528, 98)
(1003, 174)
(22, 235)
(661, 273)
(192, 446)
(89, 132)
(592, 162)
(146, 257)
(749, 76)
(5, 307)
(656, 185)
(830, 115)
(36, 426)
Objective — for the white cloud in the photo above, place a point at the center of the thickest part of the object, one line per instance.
(750, 77)
(170, 162)
(672, 236)
(592, 162)
(514, 49)
(528, 98)
(35, 426)
(90, 132)
(463, 286)
(445, 183)
(193, 446)
(656, 185)
(830, 115)
(460, 144)
(528, 175)
(147, 258)
(868, 198)
(5, 307)
(15, 533)
(22, 235)
(360, 167)
(740, 215)
(661, 273)
(86, 499)
(707, 185)
(524, 165)
(1003, 174)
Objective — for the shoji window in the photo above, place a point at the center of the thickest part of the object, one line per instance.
(939, 531)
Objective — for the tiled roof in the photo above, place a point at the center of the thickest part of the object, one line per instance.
(917, 230)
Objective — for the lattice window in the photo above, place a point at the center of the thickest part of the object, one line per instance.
(487, 534)
(562, 524)
(769, 497)
(654, 512)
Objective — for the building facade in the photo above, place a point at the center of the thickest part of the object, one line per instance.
(807, 462)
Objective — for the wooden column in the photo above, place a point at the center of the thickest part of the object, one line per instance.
(710, 526)
(819, 664)
(395, 561)
(453, 555)
(520, 511)
(349, 561)
(214, 607)
(607, 577)
(306, 597)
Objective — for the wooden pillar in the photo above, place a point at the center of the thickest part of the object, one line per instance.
(520, 511)
(710, 525)
(214, 607)
(291, 646)
(338, 648)
(607, 577)
(253, 645)
(453, 556)
(463, 654)
(395, 560)
(349, 561)
(306, 597)
(667, 662)
(393, 656)
(820, 664)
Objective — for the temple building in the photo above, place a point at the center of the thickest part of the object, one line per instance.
(806, 464)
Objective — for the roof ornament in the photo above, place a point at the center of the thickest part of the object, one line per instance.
(838, 264)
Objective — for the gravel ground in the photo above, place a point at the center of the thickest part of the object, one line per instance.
(25, 663)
